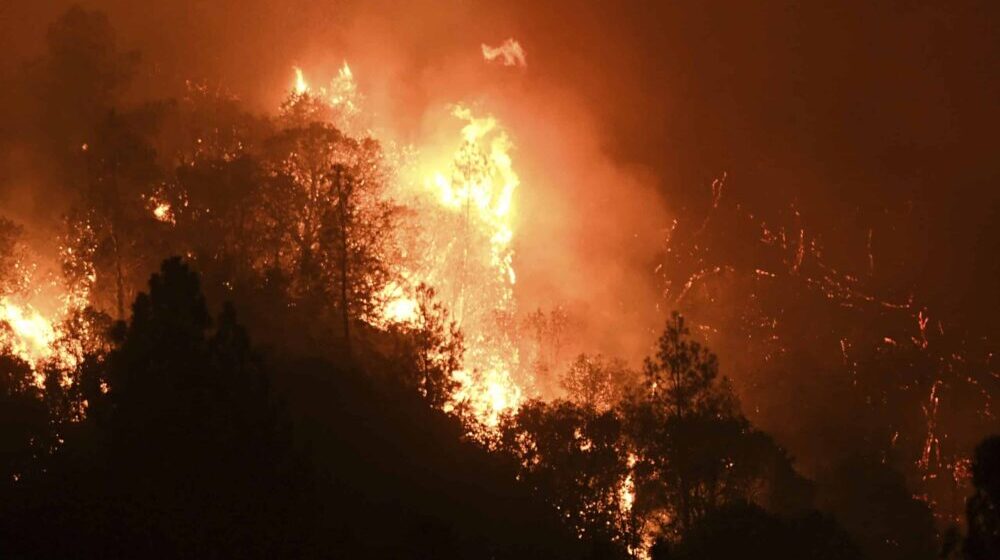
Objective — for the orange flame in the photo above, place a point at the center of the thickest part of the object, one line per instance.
(34, 338)
(163, 212)
(32, 335)
(466, 200)
(300, 87)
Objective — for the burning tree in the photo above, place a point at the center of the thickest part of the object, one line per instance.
(109, 244)
(598, 382)
(333, 224)
(576, 456)
(430, 348)
(462, 247)
(637, 462)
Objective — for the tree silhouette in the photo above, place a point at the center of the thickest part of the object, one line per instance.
(76, 83)
(597, 381)
(677, 444)
(109, 241)
(695, 451)
(187, 450)
(872, 502)
(334, 224)
(575, 457)
(25, 433)
(682, 374)
(983, 507)
(741, 530)
(429, 350)
(186, 435)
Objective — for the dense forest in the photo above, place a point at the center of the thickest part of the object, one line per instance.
(225, 382)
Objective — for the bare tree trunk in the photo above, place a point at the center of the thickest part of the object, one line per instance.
(115, 220)
(342, 201)
(120, 277)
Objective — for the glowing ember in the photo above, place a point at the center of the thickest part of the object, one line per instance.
(163, 212)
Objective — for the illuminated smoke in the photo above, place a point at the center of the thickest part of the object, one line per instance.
(509, 53)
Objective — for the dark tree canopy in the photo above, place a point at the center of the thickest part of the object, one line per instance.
(983, 507)
(696, 451)
(742, 530)
(194, 445)
(871, 500)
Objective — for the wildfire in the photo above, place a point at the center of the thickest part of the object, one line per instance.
(403, 310)
(33, 308)
(31, 335)
(483, 181)
(399, 307)
(463, 203)
(476, 265)
(300, 87)
(343, 92)
(163, 212)
(626, 492)
(341, 95)
(489, 394)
